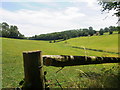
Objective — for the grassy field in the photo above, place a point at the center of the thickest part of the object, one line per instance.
(104, 42)
(12, 60)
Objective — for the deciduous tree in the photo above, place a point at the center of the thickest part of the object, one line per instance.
(108, 5)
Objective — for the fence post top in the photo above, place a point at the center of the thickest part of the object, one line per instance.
(29, 52)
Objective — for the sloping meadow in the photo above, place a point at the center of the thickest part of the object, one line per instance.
(68, 77)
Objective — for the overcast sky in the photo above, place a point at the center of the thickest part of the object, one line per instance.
(34, 18)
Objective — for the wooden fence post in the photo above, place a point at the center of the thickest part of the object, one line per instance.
(33, 70)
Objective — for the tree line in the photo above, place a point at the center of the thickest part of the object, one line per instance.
(74, 33)
(10, 31)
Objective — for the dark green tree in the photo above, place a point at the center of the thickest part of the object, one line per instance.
(110, 32)
(91, 31)
(112, 28)
(0, 30)
(118, 29)
(5, 29)
(106, 29)
(13, 31)
(101, 32)
(90, 28)
(85, 32)
(10, 31)
(21, 36)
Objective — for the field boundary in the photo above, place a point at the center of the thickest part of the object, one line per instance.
(98, 50)
(34, 61)
(69, 60)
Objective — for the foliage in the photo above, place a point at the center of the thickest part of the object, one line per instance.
(10, 31)
(101, 31)
(111, 5)
(64, 35)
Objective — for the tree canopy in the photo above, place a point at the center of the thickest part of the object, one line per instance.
(74, 33)
(10, 31)
(108, 5)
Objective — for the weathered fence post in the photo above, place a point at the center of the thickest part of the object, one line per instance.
(33, 70)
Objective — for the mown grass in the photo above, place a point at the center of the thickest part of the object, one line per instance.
(12, 59)
(103, 42)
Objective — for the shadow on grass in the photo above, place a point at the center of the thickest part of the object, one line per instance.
(95, 50)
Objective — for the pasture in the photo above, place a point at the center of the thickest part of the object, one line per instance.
(72, 76)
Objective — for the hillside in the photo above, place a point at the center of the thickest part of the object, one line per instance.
(12, 60)
(104, 42)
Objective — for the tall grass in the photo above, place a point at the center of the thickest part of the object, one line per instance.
(86, 76)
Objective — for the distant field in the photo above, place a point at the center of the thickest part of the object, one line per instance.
(104, 42)
(12, 60)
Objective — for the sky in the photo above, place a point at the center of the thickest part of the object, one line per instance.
(41, 17)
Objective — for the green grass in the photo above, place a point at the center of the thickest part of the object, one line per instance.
(103, 42)
(0, 64)
(114, 32)
(74, 76)
(12, 59)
